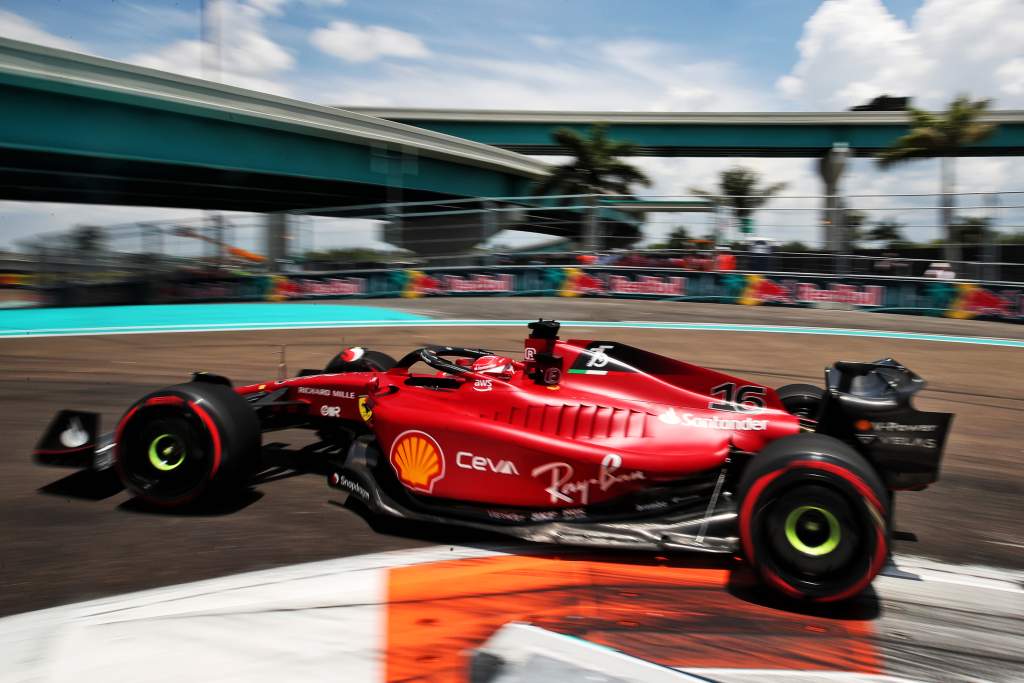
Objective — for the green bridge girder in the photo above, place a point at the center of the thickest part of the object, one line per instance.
(767, 134)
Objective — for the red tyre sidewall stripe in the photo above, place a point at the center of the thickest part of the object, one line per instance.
(211, 427)
(203, 415)
(746, 522)
(881, 552)
(164, 401)
(746, 511)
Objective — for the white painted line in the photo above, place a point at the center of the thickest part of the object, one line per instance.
(357, 324)
(975, 576)
(725, 675)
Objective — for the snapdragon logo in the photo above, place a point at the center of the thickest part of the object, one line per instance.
(744, 424)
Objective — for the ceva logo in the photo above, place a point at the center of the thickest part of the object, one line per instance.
(480, 463)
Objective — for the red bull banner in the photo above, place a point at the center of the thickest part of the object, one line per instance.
(891, 295)
(917, 296)
(423, 284)
(761, 289)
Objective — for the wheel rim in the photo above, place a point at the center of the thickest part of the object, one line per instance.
(814, 533)
(812, 530)
(164, 454)
(167, 452)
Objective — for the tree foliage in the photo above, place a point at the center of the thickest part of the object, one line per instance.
(854, 223)
(596, 166)
(678, 238)
(889, 231)
(940, 135)
(740, 189)
(88, 238)
(971, 230)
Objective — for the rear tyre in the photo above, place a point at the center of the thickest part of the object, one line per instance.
(813, 517)
(357, 359)
(187, 443)
(802, 400)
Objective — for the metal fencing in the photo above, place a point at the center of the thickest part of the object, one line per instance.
(884, 235)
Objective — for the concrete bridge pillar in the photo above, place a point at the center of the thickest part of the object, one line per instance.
(831, 167)
(277, 240)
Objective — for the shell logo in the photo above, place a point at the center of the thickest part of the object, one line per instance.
(418, 460)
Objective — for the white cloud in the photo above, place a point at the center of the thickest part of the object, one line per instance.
(354, 43)
(244, 55)
(1010, 77)
(268, 6)
(624, 75)
(854, 50)
(19, 28)
(544, 42)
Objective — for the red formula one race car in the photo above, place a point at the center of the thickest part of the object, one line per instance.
(581, 442)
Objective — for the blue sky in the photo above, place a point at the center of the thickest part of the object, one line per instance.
(761, 33)
(682, 55)
(754, 41)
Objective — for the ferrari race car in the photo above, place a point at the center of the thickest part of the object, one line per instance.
(581, 442)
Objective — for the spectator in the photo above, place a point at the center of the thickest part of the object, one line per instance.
(725, 260)
(761, 254)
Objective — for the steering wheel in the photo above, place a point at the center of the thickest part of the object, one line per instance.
(432, 356)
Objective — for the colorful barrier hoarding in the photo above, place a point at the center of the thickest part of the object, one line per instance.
(963, 300)
(896, 295)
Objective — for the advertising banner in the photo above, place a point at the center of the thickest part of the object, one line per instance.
(962, 300)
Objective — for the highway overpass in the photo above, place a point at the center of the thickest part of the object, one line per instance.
(673, 134)
(75, 128)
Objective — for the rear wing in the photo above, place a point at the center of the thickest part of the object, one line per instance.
(869, 406)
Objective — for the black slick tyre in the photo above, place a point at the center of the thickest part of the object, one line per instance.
(812, 518)
(802, 400)
(186, 443)
(357, 359)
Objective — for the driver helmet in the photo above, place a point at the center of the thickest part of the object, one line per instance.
(498, 366)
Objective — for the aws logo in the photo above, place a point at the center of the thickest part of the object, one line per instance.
(418, 460)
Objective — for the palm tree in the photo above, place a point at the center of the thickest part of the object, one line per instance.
(942, 135)
(596, 168)
(739, 188)
(889, 231)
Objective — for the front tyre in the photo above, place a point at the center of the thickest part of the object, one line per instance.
(813, 518)
(358, 359)
(185, 443)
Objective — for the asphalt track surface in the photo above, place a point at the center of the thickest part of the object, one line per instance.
(70, 537)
